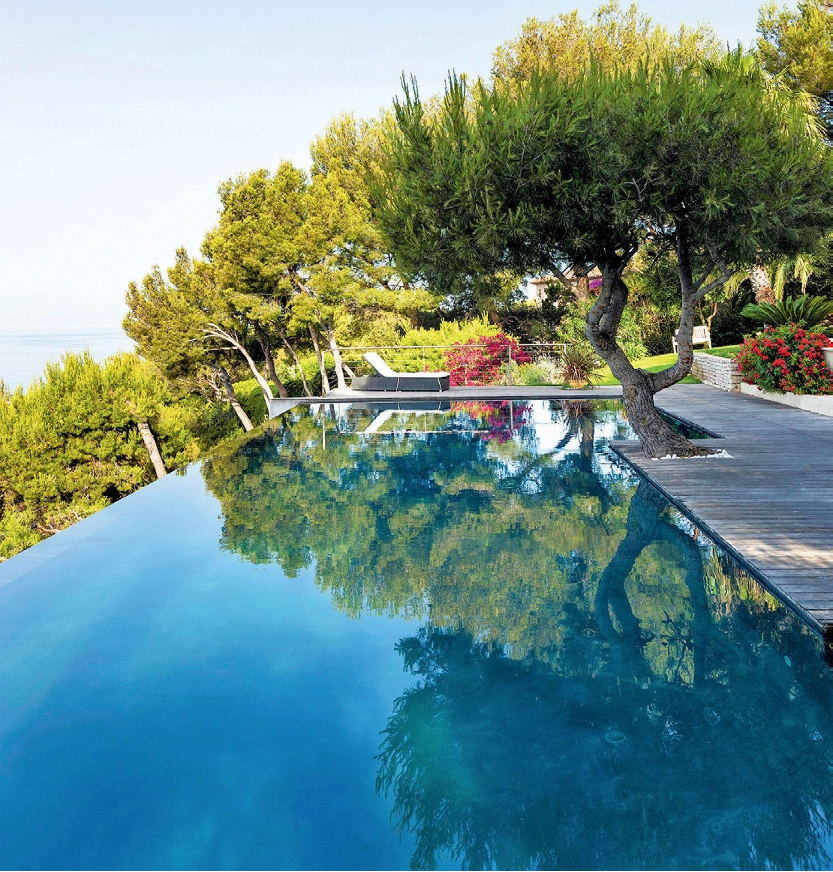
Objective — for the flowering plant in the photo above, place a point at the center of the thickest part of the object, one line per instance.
(480, 363)
(786, 358)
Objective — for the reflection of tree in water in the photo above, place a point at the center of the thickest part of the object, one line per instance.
(500, 763)
(595, 688)
(475, 529)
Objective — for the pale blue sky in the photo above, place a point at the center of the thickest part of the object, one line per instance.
(118, 123)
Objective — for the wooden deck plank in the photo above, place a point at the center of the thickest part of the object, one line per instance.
(771, 503)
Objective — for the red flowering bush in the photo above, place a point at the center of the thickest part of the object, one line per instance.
(786, 359)
(481, 363)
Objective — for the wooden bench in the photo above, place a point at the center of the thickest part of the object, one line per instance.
(700, 336)
(389, 380)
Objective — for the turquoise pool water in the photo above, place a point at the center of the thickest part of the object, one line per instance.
(370, 638)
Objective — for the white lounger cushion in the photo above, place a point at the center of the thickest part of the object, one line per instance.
(383, 369)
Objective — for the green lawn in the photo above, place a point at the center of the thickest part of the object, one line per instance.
(663, 361)
(723, 351)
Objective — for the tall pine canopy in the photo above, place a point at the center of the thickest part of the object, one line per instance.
(584, 169)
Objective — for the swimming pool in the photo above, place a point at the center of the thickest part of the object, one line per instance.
(369, 637)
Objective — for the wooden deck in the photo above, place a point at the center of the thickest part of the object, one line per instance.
(771, 504)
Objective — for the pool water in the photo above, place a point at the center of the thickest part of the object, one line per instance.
(369, 637)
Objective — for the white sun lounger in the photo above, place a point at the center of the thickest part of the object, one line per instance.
(390, 380)
(699, 336)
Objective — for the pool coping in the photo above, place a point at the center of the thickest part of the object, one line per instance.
(769, 492)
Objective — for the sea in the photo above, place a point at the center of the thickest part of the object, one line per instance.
(23, 356)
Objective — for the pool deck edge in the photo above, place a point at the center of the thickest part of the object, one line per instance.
(769, 505)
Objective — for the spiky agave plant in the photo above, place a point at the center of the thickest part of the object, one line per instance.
(578, 366)
(807, 312)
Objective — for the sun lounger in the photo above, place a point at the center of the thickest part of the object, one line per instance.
(389, 380)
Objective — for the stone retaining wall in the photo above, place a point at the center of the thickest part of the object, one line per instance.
(718, 371)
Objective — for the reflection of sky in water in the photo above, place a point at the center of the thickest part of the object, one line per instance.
(495, 640)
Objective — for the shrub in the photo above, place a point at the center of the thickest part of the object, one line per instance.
(578, 366)
(786, 358)
(481, 363)
(544, 371)
(807, 312)
(448, 333)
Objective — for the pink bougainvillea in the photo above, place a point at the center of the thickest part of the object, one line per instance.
(481, 362)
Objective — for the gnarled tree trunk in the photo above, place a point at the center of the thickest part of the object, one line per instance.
(638, 386)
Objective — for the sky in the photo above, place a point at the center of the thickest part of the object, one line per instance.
(118, 121)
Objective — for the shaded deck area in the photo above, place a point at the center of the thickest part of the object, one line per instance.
(770, 504)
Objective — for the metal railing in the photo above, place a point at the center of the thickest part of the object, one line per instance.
(470, 369)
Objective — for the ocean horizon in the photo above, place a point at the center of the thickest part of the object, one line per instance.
(25, 354)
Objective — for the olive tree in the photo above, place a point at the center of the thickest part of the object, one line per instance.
(587, 169)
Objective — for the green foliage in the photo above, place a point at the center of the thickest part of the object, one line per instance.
(70, 445)
(655, 297)
(448, 333)
(166, 320)
(811, 313)
(797, 44)
(572, 330)
(706, 159)
(578, 366)
(251, 399)
(544, 371)
(616, 38)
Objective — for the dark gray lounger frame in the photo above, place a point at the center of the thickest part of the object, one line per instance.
(388, 380)
(406, 382)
